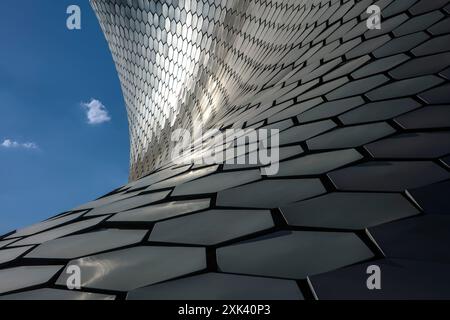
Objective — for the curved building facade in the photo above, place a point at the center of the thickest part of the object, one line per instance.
(182, 62)
(364, 156)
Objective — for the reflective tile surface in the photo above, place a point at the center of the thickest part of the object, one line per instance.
(363, 119)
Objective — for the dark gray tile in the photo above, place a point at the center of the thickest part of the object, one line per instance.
(388, 176)
(419, 23)
(330, 109)
(270, 193)
(388, 25)
(24, 277)
(46, 225)
(7, 255)
(401, 44)
(293, 255)
(323, 89)
(357, 87)
(59, 232)
(106, 200)
(422, 66)
(212, 227)
(377, 111)
(350, 137)
(423, 238)
(272, 110)
(158, 176)
(446, 161)
(439, 95)
(445, 73)
(217, 182)
(293, 110)
(367, 46)
(426, 6)
(346, 68)
(404, 88)
(424, 145)
(281, 125)
(133, 268)
(380, 65)
(189, 176)
(400, 280)
(162, 211)
(86, 244)
(432, 46)
(304, 132)
(398, 6)
(48, 294)
(441, 27)
(284, 153)
(427, 117)
(348, 45)
(6, 242)
(304, 87)
(216, 286)
(357, 9)
(318, 163)
(434, 198)
(128, 204)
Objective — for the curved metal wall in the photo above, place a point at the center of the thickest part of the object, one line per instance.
(178, 60)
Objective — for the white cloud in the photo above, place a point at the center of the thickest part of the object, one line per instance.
(10, 144)
(96, 112)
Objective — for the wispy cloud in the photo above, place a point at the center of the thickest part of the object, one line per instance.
(11, 144)
(96, 112)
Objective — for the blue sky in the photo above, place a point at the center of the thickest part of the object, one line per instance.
(51, 158)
